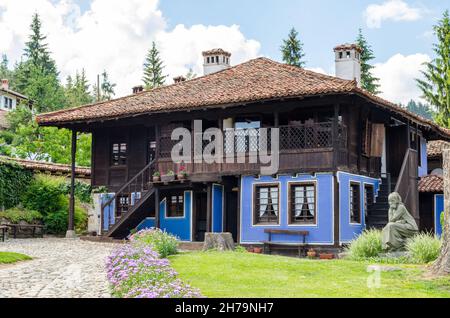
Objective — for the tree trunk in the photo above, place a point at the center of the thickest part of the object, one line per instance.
(219, 241)
(442, 265)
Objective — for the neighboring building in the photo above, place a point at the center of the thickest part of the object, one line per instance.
(342, 150)
(431, 188)
(8, 101)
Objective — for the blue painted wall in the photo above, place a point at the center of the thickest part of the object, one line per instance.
(217, 208)
(322, 233)
(438, 209)
(423, 169)
(147, 223)
(179, 226)
(350, 231)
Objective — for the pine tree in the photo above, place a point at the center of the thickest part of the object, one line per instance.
(420, 109)
(190, 74)
(368, 81)
(5, 73)
(292, 50)
(153, 69)
(436, 83)
(77, 91)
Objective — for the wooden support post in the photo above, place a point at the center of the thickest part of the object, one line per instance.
(157, 219)
(209, 208)
(335, 138)
(71, 222)
(276, 123)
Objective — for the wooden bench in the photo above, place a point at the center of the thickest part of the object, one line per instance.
(301, 246)
(15, 227)
(3, 231)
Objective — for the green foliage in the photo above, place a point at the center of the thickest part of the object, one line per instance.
(77, 90)
(153, 69)
(424, 248)
(164, 243)
(83, 190)
(190, 74)
(421, 109)
(5, 72)
(367, 245)
(368, 81)
(13, 182)
(47, 194)
(106, 91)
(442, 219)
(15, 215)
(240, 249)
(292, 50)
(436, 84)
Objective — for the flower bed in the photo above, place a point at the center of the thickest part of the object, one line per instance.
(136, 271)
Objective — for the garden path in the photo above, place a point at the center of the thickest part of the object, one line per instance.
(60, 268)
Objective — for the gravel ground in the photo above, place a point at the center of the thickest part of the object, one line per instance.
(60, 268)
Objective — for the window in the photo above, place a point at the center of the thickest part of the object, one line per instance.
(119, 154)
(302, 209)
(341, 55)
(368, 198)
(266, 201)
(123, 203)
(175, 206)
(207, 60)
(355, 206)
(348, 54)
(8, 103)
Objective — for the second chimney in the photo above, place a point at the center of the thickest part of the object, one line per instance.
(5, 84)
(348, 62)
(138, 89)
(179, 79)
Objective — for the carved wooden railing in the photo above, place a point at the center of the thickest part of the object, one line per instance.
(129, 195)
(292, 137)
(407, 182)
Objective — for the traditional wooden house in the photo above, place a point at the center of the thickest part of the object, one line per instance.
(341, 151)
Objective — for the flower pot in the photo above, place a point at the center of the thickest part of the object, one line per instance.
(156, 178)
(311, 254)
(250, 250)
(258, 250)
(326, 256)
(181, 176)
(168, 178)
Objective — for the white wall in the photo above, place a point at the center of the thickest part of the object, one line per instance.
(2, 101)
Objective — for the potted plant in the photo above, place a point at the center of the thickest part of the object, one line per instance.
(257, 250)
(311, 253)
(182, 174)
(170, 176)
(326, 256)
(156, 176)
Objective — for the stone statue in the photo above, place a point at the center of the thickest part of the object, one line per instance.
(401, 225)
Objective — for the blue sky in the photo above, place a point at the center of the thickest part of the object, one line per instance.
(114, 34)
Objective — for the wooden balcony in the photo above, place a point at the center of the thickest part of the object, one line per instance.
(302, 148)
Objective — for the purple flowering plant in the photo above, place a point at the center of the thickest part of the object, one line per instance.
(136, 270)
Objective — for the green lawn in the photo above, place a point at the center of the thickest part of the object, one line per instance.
(237, 275)
(8, 258)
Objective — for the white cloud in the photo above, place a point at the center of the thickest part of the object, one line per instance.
(397, 77)
(395, 10)
(115, 35)
(318, 70)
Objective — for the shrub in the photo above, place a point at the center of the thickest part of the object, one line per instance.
(423, 248)
(367, 245)
(46, 194)
(164, 243)
(442, 220)
(14, 180)
(135, 271)
(18, 214)
(240, 249)
(83, 190)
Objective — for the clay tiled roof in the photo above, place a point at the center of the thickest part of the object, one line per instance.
(53, 168)
(260, 79)
(348, 47)
(431, 184)
(435, 148)
(215, 52)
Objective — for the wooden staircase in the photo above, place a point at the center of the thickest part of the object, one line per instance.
(378, 212)
(132, 203)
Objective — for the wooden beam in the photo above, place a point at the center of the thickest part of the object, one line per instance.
(71, 223)
(157, 218)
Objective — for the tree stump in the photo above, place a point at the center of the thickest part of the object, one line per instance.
(442, 265)
(218, 241)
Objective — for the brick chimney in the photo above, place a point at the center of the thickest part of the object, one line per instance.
(215, 60)
(348, 62)
(138, 89)
(5, 84)
(179, 79)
